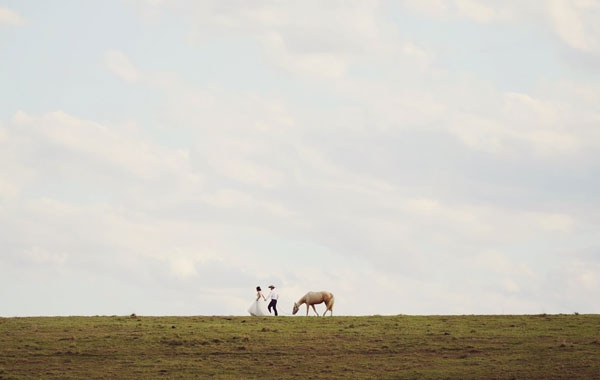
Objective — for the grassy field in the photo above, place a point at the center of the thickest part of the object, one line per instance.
(377, 347)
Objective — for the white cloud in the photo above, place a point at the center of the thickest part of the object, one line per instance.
(8, 189)
(500, 263)
(576, 23)
(575, 277)
(245, 171)
(121, 65)
(525, 109)
(588, 279)
(237, 200)
(89, 140)
(555, 222)
(184, 266)
(11, 18)
(14, 172)
(511, 286)
(527, 124)
(423, 58)
(476, 10)
(428, 6)
(186, 262)
(319, 65)
(484, 12)
(39, 255)
(319, 46)
(498, 137)
(422, 205)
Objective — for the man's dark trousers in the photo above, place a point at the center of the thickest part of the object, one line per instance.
(273, 304)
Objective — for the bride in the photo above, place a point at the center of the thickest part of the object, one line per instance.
(258, 309)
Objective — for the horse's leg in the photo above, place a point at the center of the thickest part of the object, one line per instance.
(315, 309)
(307, 309)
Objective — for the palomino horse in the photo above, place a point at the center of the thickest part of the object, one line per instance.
(315, 298)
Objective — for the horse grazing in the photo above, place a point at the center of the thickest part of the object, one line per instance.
(315, 298)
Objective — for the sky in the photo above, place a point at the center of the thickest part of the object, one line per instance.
(419, 157)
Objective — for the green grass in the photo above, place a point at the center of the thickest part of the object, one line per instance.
(377, 347)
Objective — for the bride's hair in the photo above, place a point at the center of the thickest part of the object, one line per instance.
(258, 288)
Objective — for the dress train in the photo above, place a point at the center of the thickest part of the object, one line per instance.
(258, 309)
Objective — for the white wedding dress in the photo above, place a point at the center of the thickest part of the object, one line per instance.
(258, 309)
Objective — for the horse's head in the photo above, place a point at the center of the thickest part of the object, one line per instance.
(295, 308)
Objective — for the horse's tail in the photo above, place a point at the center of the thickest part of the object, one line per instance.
(331, 302)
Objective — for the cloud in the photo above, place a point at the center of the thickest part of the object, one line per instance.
(121, 65)
(423, 58)
(318, 65)
(551, 123)
(10, 18)
(476, 10)
(575, 276)
(428, 6)
(484, 225)
(40, 256)
(119, 181)
(319, 46)
(94, 142)
(237, 200)
(576, 24)
(498, 137)
(483, 12)
(184, 265)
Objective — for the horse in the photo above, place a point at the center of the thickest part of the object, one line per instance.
(315, 298)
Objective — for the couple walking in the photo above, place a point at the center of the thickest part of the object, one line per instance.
(257, 308)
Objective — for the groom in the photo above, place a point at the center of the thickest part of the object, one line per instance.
(273, 296)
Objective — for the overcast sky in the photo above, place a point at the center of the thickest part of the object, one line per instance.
(165, 157)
